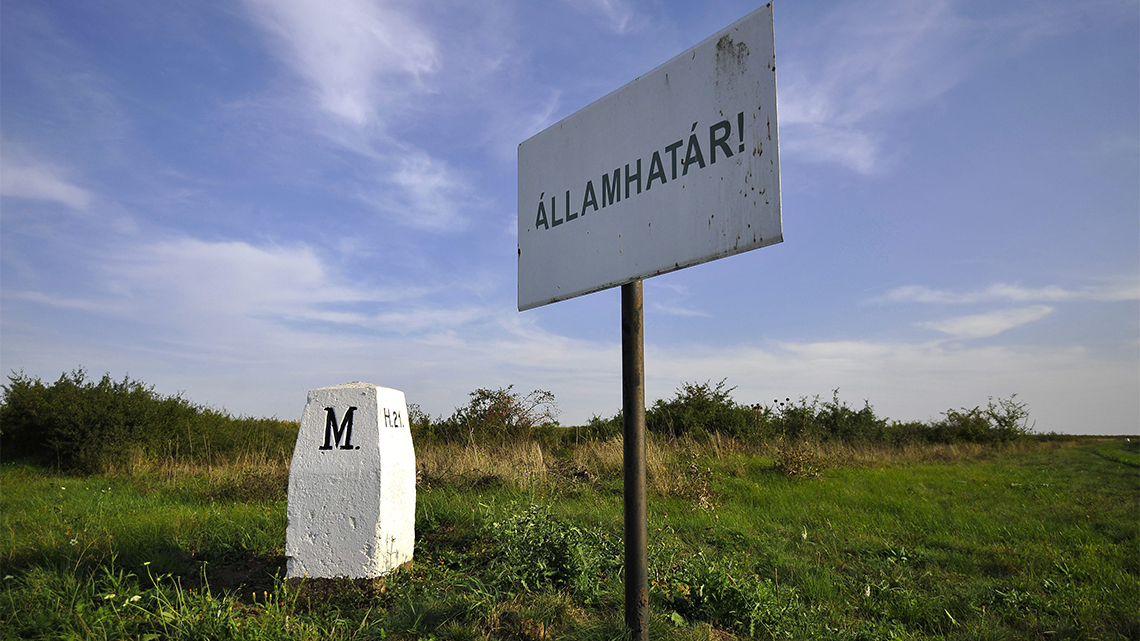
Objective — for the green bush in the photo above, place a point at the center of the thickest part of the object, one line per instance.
(501, 415)
(602, 429)
(82, 425)
(701, 588)
(1000, 422)
(700, 409)
(823, 421)
(535, 551)
(85, 425)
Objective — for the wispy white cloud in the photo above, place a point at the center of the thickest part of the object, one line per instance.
(1123, 289)
(356, 54)
(65, 302)
(230, 289)
(819, 142)
(367, 62)
(541, 118)
(215, 295)
(616, 14)
(870, 60)
(262, 323)
(878, 58)
(989, 324)
(419, 319)
(671, 300)
(25, 177)
(424, 193)
(675, 309)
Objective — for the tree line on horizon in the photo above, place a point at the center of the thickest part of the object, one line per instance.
(79, 424)
(699, 410)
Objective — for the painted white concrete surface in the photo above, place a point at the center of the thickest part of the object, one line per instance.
(352, 485)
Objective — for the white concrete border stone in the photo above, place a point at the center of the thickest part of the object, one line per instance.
(352, 485)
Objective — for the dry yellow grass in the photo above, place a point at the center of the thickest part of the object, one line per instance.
(671, 465)
(516, 463)
(674, 467)
(846, 454)
(138, 464)
(257, 476)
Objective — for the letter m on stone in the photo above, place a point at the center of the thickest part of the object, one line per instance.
(334, 434)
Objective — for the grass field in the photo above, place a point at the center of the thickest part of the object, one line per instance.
(1036, 540)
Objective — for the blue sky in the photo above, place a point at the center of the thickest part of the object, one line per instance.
(246, 200)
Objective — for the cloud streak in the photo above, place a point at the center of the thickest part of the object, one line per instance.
(990, 324)
(365, 63)
(1122, 290)
(424, 193)
(23, 177)
(262, 322)
(220, 294)
(616, 14)
(356, 54)
(869, 60)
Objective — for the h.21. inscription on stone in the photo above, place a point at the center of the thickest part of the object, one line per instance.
(352, 485)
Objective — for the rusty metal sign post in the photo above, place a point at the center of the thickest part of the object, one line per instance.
(677, 168)
(633, 461)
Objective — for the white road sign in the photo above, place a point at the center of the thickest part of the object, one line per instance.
(679, 167)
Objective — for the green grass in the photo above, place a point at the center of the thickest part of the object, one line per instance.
(1038, 542)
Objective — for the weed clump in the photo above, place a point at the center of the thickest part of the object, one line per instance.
(798, 461)
(535, 551)
(724, 594)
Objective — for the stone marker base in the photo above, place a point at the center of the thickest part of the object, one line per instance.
(310, 589)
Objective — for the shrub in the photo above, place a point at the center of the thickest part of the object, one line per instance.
(602, 429)
(841, 423)
(1009, 418)
(963, 426)
(1000, 422)
(418, 420)
(824, 421)
(501, 415)
(798, 461)
(87, 426)
(700, 409)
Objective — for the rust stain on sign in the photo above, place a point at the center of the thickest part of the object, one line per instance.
(729, 52)
(731, 63)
